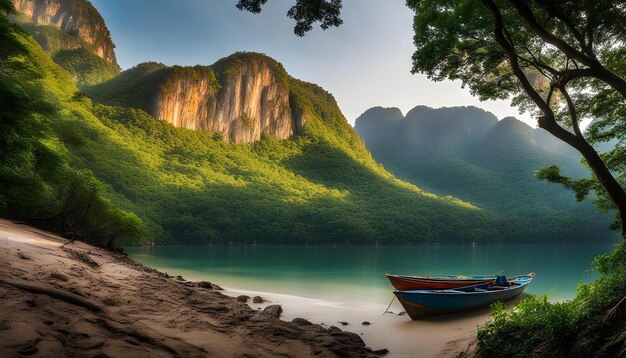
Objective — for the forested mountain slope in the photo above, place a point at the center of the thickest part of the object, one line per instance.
(466, 152)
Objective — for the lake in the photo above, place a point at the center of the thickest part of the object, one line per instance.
(356, 273)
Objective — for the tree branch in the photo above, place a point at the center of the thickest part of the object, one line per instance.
(572, 111)
(513, 59)
(550, 93)
(54, 293)
(580, 36)
(599, 71)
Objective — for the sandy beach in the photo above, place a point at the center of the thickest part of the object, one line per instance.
(82, 300)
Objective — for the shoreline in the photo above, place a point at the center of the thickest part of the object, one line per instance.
(445, 336)
(470, 244)
(150, 313)
(81, 300)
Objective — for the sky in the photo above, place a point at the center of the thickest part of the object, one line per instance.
(364, 63)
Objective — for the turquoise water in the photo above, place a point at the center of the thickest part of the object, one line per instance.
(356, 273)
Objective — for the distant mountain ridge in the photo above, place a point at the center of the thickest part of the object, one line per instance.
(466, 152)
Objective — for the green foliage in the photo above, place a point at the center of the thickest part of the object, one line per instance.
(246, 119)
(85, 68)
(589, 325)
(231, 66)
(580, 187)
(305, 97)
(51, 38)
(460, 50)
(535, 319)
(135, 87)
(6, 6)
(38, 184)
(321, 186)
(195, 73)
(305, 12)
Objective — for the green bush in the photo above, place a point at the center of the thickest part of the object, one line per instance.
(590, 325)
(86, 68)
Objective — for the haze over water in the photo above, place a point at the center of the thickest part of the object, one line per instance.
(356, 273)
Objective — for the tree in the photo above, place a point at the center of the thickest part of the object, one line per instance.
(561, 60)
(305, 12)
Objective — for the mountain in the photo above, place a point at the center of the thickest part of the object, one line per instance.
(74, 34)
(466, 152)
(241, 96)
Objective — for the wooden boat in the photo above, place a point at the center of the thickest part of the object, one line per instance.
(402, 282)
(423, 303)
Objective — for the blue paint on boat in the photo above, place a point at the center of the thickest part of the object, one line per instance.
(422, 303)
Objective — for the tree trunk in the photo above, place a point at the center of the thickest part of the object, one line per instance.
(608, 181)
(604, 175)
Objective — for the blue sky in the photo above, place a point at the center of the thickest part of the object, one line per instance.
(364, 63)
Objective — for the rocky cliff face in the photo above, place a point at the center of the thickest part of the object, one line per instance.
(249, 99)
(241, 96)
(75, 17)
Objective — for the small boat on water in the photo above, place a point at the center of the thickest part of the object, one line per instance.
(423, 303)
(403, 282)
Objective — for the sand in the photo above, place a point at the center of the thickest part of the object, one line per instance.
(81, 300)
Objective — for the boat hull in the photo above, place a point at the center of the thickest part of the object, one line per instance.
(400, 282)
(424, 303)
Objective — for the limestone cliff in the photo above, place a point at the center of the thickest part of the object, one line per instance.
(77, 18)
(241, 96)
(247, 100)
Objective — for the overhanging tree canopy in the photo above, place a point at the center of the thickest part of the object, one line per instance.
(561, 60)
